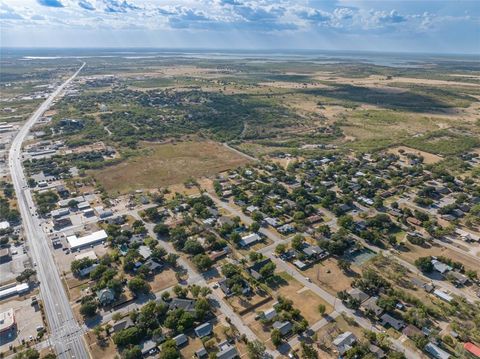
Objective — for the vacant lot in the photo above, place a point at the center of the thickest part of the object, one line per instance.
(167, 164)
(428, 158)
(302, 297)
(328, 276)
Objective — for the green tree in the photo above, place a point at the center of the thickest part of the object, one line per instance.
(88, 309)
(132, 353)
(138, 285)
(424, 264)
(321, 309)
(169, 350)
(276, 337)
(256, 349)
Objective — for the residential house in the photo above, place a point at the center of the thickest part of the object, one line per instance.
(105, 296)
(204, 330)
(187, 305)
(180, 339)
(358, 294)
(472, 349)
(284, 327)
(370, 305)
(227, 351)
(344, 342)
(201, 353)
(387, 320)
(249, 239)
(120, 325)
(255, 269)
(436, 352)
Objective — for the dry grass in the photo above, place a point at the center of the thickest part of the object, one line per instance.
(328, 276)
(167, 164)
(303, 298)
(428, 158)
(163, 280)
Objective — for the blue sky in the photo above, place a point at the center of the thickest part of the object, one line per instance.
(386, 25)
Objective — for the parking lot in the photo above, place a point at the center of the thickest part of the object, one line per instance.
(28, 318)
(10, 269)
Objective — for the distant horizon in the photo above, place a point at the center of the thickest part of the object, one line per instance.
(251, 50)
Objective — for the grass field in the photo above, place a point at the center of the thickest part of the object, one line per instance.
(167, 164)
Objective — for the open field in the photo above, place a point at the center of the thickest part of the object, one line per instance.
(328, 276)
(166, 164)
(428, 158)
(303, 298)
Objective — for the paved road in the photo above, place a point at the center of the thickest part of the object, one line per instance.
(66, 334)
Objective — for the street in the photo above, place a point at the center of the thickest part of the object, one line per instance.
(65, 332)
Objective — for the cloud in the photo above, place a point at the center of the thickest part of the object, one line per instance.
(393, 17)
(315, 16)
(84, 4)
(37, 17)
(50, 3)
(10, 15)
(114, 6)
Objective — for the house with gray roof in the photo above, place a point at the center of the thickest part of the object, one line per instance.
(204, 330)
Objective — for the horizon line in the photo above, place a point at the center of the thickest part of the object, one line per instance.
(232, 49)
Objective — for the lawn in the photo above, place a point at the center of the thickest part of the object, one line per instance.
(166, 164)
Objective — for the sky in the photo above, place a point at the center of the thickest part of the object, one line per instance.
(428, 26)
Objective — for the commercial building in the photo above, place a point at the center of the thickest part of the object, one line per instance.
(93, 238)
(7, 320)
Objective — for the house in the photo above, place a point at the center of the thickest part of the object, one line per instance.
(251, 209)
(441, 267)
(472, 349)
(388, 320)
(225, 221)
(204, 330)
(269, 314)
(105, 296)
(223, 284)
(256, 268)
(227, 351)
(120, 325)
(187, 305)
(201, 353)
(153, 266)
(344, 342)
(148, 347)
(370, 305)
(249, 239)
(271, 221)
(436, 352)
(299, 264)
(458, 278)
(180, 339)
(377, 351)
(145, 252)
(358, 294)
(286, 228)
(284, 327)
(442, 295)
(411, 331)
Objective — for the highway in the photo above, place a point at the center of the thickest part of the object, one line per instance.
(65, 333)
